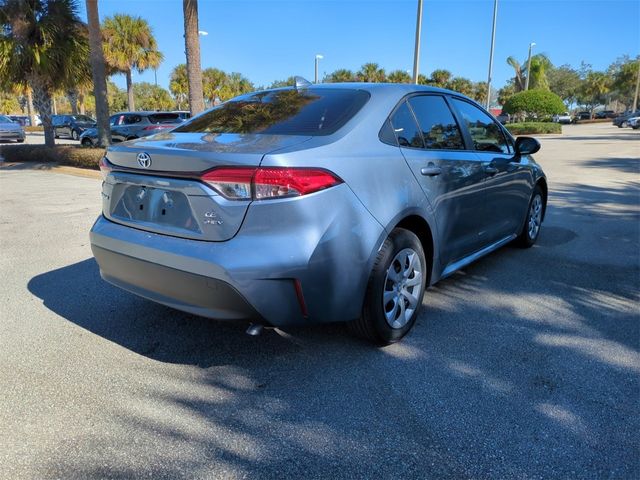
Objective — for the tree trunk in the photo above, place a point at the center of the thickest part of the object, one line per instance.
(81, 107)
(132, 105)
(99, 74)
(192, 49)
(72, 95)
(30, 110)
(42, 103)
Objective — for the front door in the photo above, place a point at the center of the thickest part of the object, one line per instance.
(507, 183)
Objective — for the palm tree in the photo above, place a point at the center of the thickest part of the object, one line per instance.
(99, 73)
(440, 78)
(129, 44)
(43, 45)
(339, 76)
(519, 79)
(371, 72)
(192, 49)
(213, 80)
(179, 85)
(399, 76)
(461, 85)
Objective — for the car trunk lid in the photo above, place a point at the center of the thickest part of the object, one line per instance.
(155, 186)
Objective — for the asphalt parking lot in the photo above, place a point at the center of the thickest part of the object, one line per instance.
(524, 365)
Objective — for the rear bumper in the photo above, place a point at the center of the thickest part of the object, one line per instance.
(197, 294)
(326, 241)
(11, 135)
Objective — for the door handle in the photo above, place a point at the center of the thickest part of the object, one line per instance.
(431, 171)
(490, 170)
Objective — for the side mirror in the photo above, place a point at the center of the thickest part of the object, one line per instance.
(527, 145)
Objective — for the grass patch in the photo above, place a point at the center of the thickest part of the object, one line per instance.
(33, 129)
(532, 128)
(72, 155)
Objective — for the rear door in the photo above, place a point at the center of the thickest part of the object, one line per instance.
(450, 176)
(508, 183)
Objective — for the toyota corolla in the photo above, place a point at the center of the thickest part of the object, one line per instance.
(318, 203)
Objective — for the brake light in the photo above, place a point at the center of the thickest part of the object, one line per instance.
(105, 167)
(242, 183)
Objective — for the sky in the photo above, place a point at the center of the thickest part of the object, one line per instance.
(268, 40)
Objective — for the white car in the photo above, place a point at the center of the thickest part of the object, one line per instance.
(634, 122)
(562, 118)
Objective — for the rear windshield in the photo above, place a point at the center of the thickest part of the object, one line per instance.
(164, 118)
(282, 112)
(82, 118)
(4, 119)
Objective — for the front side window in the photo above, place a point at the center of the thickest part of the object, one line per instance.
(131, 119)
(312, 111)
(439, 129)
(486, 135)
(405, 127)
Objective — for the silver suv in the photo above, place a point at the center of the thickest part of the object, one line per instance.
(336, 202)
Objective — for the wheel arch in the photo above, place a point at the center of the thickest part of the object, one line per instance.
(421, 228)
(542, 182)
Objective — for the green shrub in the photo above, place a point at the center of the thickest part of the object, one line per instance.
(532, 128)
(71, 155)
(534, 104)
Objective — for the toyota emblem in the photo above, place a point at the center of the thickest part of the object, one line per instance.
(144, 160)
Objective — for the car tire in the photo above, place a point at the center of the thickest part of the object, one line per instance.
(74, 135)
(624, 124)
(398, 278)
(20, 140)
(86, 142)
(533, 220)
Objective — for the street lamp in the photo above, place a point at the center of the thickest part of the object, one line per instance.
(493, 41)
(526, 82)
(318, 58)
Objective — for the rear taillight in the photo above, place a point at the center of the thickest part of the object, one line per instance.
(105, 167)
(242, 183)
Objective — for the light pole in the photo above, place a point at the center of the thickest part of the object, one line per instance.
(635, 97)
(416, 51)
(318, 58)
(526, 82)
(493, 41)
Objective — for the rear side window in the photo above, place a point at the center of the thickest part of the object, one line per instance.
(439, 129)
(131, 119)
(164, 118)
(405, 127)
(319, 111)
(485, 133)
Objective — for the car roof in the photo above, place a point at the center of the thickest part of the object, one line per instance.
(400, 88)
(144, 112)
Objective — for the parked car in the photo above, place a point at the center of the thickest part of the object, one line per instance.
(24, 120)
(334, 202)
(504, 118)
(184, 114)
(71, 126)
(582, 116)
(10, 130)
(605, 114)
(622, 120)
(634, 122)
(132, 125)
(562, 118)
